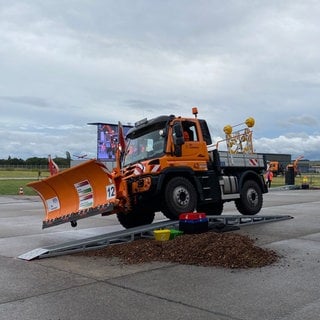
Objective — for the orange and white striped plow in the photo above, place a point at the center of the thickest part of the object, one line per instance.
(75, 193)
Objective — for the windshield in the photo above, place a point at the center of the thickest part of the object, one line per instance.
(146, 146)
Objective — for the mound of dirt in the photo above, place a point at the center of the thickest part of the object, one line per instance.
(228, 250)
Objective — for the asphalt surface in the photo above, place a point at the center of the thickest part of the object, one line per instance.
(78, 287)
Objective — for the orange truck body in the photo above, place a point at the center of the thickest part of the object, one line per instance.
(158, 170)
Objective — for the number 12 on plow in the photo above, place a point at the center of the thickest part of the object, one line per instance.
(111, 191)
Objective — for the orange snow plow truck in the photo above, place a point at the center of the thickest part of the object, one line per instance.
(166, 164)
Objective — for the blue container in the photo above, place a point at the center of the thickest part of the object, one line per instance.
(195, 223)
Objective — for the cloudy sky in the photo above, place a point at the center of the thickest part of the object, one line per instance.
(66, 63)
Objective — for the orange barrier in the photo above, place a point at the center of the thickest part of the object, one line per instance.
(76, 193)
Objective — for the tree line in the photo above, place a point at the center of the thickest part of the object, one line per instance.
(34, 161)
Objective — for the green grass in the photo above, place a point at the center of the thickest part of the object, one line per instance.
(32, 174)
(312, 179)
(11, 187)
(12, 180)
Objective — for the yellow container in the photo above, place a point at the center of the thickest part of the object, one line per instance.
(162, 235)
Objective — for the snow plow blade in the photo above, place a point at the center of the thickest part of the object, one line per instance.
(76, 193)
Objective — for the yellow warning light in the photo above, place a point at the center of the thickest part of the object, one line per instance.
(250, 122)
(227, 129)
(195, 111)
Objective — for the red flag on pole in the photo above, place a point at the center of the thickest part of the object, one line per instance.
(121, 139)
(53, 167)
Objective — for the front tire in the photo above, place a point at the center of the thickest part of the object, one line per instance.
(180, 196)
(135, 218)
(250, 202)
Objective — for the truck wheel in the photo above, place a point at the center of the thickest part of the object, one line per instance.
(214, 209)
(250, 202)
(135, 218)
(180, 196)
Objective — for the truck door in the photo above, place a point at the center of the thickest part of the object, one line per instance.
(192, 146)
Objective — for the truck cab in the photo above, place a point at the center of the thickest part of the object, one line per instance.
(168, 168)
(168, 139)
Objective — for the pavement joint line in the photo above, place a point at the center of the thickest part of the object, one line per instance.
(111, 283)
(67, 271)
(46, 293)
(293, 239)
(287, 205)
(167, 266)
(307, 239)
(216, 313)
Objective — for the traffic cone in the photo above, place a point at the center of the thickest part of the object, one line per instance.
(21, 192)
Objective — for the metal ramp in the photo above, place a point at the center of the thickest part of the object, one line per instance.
(122, 236)
(240, 220)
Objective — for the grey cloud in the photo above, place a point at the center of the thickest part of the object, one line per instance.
(26, 100)
(151, 106)
(87, 61)
(303, 120)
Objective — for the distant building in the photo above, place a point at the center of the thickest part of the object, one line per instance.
(315, 168)
(304, 166)
(284, 159)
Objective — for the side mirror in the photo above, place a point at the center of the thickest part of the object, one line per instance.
(178, 138)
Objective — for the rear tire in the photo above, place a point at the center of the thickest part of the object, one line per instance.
(180, 196)
(250, 202)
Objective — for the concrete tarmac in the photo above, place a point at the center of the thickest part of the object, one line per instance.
(75, 287)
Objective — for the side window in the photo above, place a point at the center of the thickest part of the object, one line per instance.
(189, 131)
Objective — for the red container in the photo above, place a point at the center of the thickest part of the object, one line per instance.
(192, 216)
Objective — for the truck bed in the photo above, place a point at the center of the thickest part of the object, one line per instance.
(242, 160)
